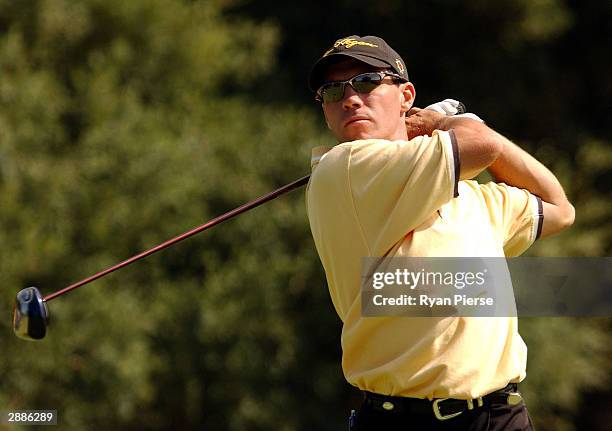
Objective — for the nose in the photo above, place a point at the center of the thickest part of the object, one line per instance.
(352, 99)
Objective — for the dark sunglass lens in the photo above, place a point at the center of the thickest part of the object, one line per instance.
(366, 82)
(333, 92)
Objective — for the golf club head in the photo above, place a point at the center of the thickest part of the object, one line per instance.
(30, 314)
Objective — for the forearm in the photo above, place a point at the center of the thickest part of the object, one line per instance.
(517, 168)
(478, 145)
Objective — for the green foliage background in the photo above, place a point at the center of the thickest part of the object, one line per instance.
(123, 124)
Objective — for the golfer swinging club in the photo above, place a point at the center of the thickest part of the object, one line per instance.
(398, 184)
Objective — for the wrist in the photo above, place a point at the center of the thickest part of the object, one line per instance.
(448, 122)
(445, 123)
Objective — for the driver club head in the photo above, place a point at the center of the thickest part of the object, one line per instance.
(30, 314)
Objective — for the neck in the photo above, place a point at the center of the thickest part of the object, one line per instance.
(400, 133)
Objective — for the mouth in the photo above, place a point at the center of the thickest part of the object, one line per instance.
(355, 119)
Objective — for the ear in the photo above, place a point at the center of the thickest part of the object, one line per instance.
(407, 95)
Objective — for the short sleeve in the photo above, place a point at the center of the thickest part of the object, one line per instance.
(397, 185)
(515, 214)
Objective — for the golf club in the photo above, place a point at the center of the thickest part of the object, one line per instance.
(31, 313)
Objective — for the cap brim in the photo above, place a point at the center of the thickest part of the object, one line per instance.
(315, 79)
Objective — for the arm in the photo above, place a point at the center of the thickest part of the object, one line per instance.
(481, 147)
(518, 168)
(478, 145)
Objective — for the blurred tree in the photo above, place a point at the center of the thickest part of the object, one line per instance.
(123, 124)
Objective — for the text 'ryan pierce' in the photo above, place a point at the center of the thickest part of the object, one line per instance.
(428, 301)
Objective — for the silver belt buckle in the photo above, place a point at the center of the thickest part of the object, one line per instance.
(441, 417)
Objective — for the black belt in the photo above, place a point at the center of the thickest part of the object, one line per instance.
(442, 408)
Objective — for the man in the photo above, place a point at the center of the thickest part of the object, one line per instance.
(398, 185)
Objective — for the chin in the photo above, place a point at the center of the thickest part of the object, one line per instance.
(355, 132)
(356, 136)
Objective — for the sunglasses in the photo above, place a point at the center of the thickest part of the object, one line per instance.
(362, 83)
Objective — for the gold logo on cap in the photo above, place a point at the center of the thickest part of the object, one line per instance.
(348, 43)
(400, 66)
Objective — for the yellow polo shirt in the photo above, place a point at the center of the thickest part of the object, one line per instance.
(374, 198)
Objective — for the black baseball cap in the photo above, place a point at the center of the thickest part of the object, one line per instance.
(371, 50)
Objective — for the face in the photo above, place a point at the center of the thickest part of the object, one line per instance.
(375, 115)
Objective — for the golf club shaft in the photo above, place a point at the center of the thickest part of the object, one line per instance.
(243, 208)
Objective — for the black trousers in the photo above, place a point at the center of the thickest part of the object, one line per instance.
(494, 417)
